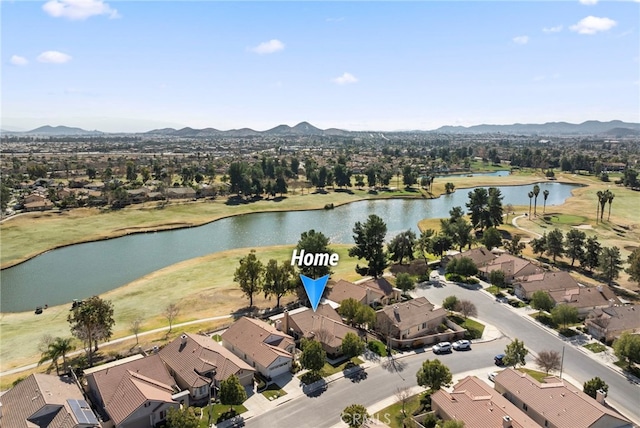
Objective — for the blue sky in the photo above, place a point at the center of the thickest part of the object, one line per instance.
(137, 65)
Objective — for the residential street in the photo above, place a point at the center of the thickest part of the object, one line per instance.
(382, 381)
(623, 393)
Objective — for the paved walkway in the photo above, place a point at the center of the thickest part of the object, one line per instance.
(514, 222)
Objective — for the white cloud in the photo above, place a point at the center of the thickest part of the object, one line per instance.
(345, 79)
(555, 29)
(54, 57)
(78, 9)
(521, 40)
(588, 2)
(272, 46)
(593, 25)
(18, 60)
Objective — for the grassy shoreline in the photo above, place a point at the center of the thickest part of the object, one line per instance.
(27, 236)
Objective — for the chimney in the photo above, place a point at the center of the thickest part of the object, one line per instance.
(369, 299)
(396, 312)
(600, 396)
(183, 339)
(506, 422)
(285, 321)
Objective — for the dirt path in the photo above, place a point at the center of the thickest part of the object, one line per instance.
(514, 222)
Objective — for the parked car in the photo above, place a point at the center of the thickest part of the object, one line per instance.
(492, 376)
(502, 299)
(441, 348)
(462, 345)
(499, 360)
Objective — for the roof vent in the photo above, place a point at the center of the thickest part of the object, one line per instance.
(506, 421)
(183, 338)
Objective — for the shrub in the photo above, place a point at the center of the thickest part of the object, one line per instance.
(377, 347)
(472, 333)
(471, 280)
(454, 277)
(442, 328)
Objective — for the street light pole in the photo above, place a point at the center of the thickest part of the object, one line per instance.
(562, 362)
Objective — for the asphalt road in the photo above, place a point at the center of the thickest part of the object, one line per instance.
(624, 394)
(382, 381)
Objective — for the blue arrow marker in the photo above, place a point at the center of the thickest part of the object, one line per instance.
(314, 289)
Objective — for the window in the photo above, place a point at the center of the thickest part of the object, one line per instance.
(546, 423)
(163, 415)
(147, 404)
(424, 325)
(525, 407)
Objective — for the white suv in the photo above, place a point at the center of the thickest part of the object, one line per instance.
(441, 348)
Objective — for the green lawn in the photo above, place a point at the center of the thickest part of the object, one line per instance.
(218, 411)
(273, 391)
(393, 412)
(595, 347)
(537, 375)
(474, 328)
(329, 369)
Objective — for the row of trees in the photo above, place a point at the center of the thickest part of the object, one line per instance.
(576, 246)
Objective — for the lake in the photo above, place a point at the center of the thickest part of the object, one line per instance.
(83, 270)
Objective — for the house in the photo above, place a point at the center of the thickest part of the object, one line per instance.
(480, 256)
(324, 325)
(138, 195)
(180, 193)
(555, 403)
(412, 319)
(585, 299)
(478, 406)
(42, 400)
(512, 266)
(260, 345)
(524, 287)
(199, 363)
(343, 290)
(36, 202)
(133, 392)
(610, 322)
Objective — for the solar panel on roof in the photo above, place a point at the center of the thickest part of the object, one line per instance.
(82, 412)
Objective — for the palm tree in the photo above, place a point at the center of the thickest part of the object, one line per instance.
(536, 192)
(610, 197)
(530, 197)
(56, 349)
(599, 194)
(545, 193)
(604, 197)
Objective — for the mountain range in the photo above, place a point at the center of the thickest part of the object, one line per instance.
(614, 128)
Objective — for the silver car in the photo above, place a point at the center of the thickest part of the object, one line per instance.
(442, 348)
(462, 345)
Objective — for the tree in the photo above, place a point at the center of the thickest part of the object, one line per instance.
(491, 238)
(530, 194)
(466, 267)
(232, 393)
(449, 187)
(467, 308)
(574, 244)
(536, 192)
(434, 375)
(59, 347)
(171, 312)
(182, 418)
(249, 275)
(239, 178)
(403, 394)
(555, 247)
(409, 176)
(539, 245)
(369, 239)
(497, 278)
(545, 194)
(564, 314)
(423, 244)
(450, 303)
(603, 198)
(278, 280)
(365, 316)
(514, 246)
(439, 243)
(404, 282)
(352, 345)
(515, 353)
(494, 207)
(401, 246)
(542, 301)
(348, 309)
(591, 256)
(313, 242)
(91, 322)
(135, 326)
(548, 360)
(5, 196)
(592, 386)
(313, 356)
(354, 415)
(477, 205)
(610, 263)
(627, 348)
(634, 265)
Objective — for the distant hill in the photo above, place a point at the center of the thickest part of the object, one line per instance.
(591, 127)
(60, 131)
(301, 129)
